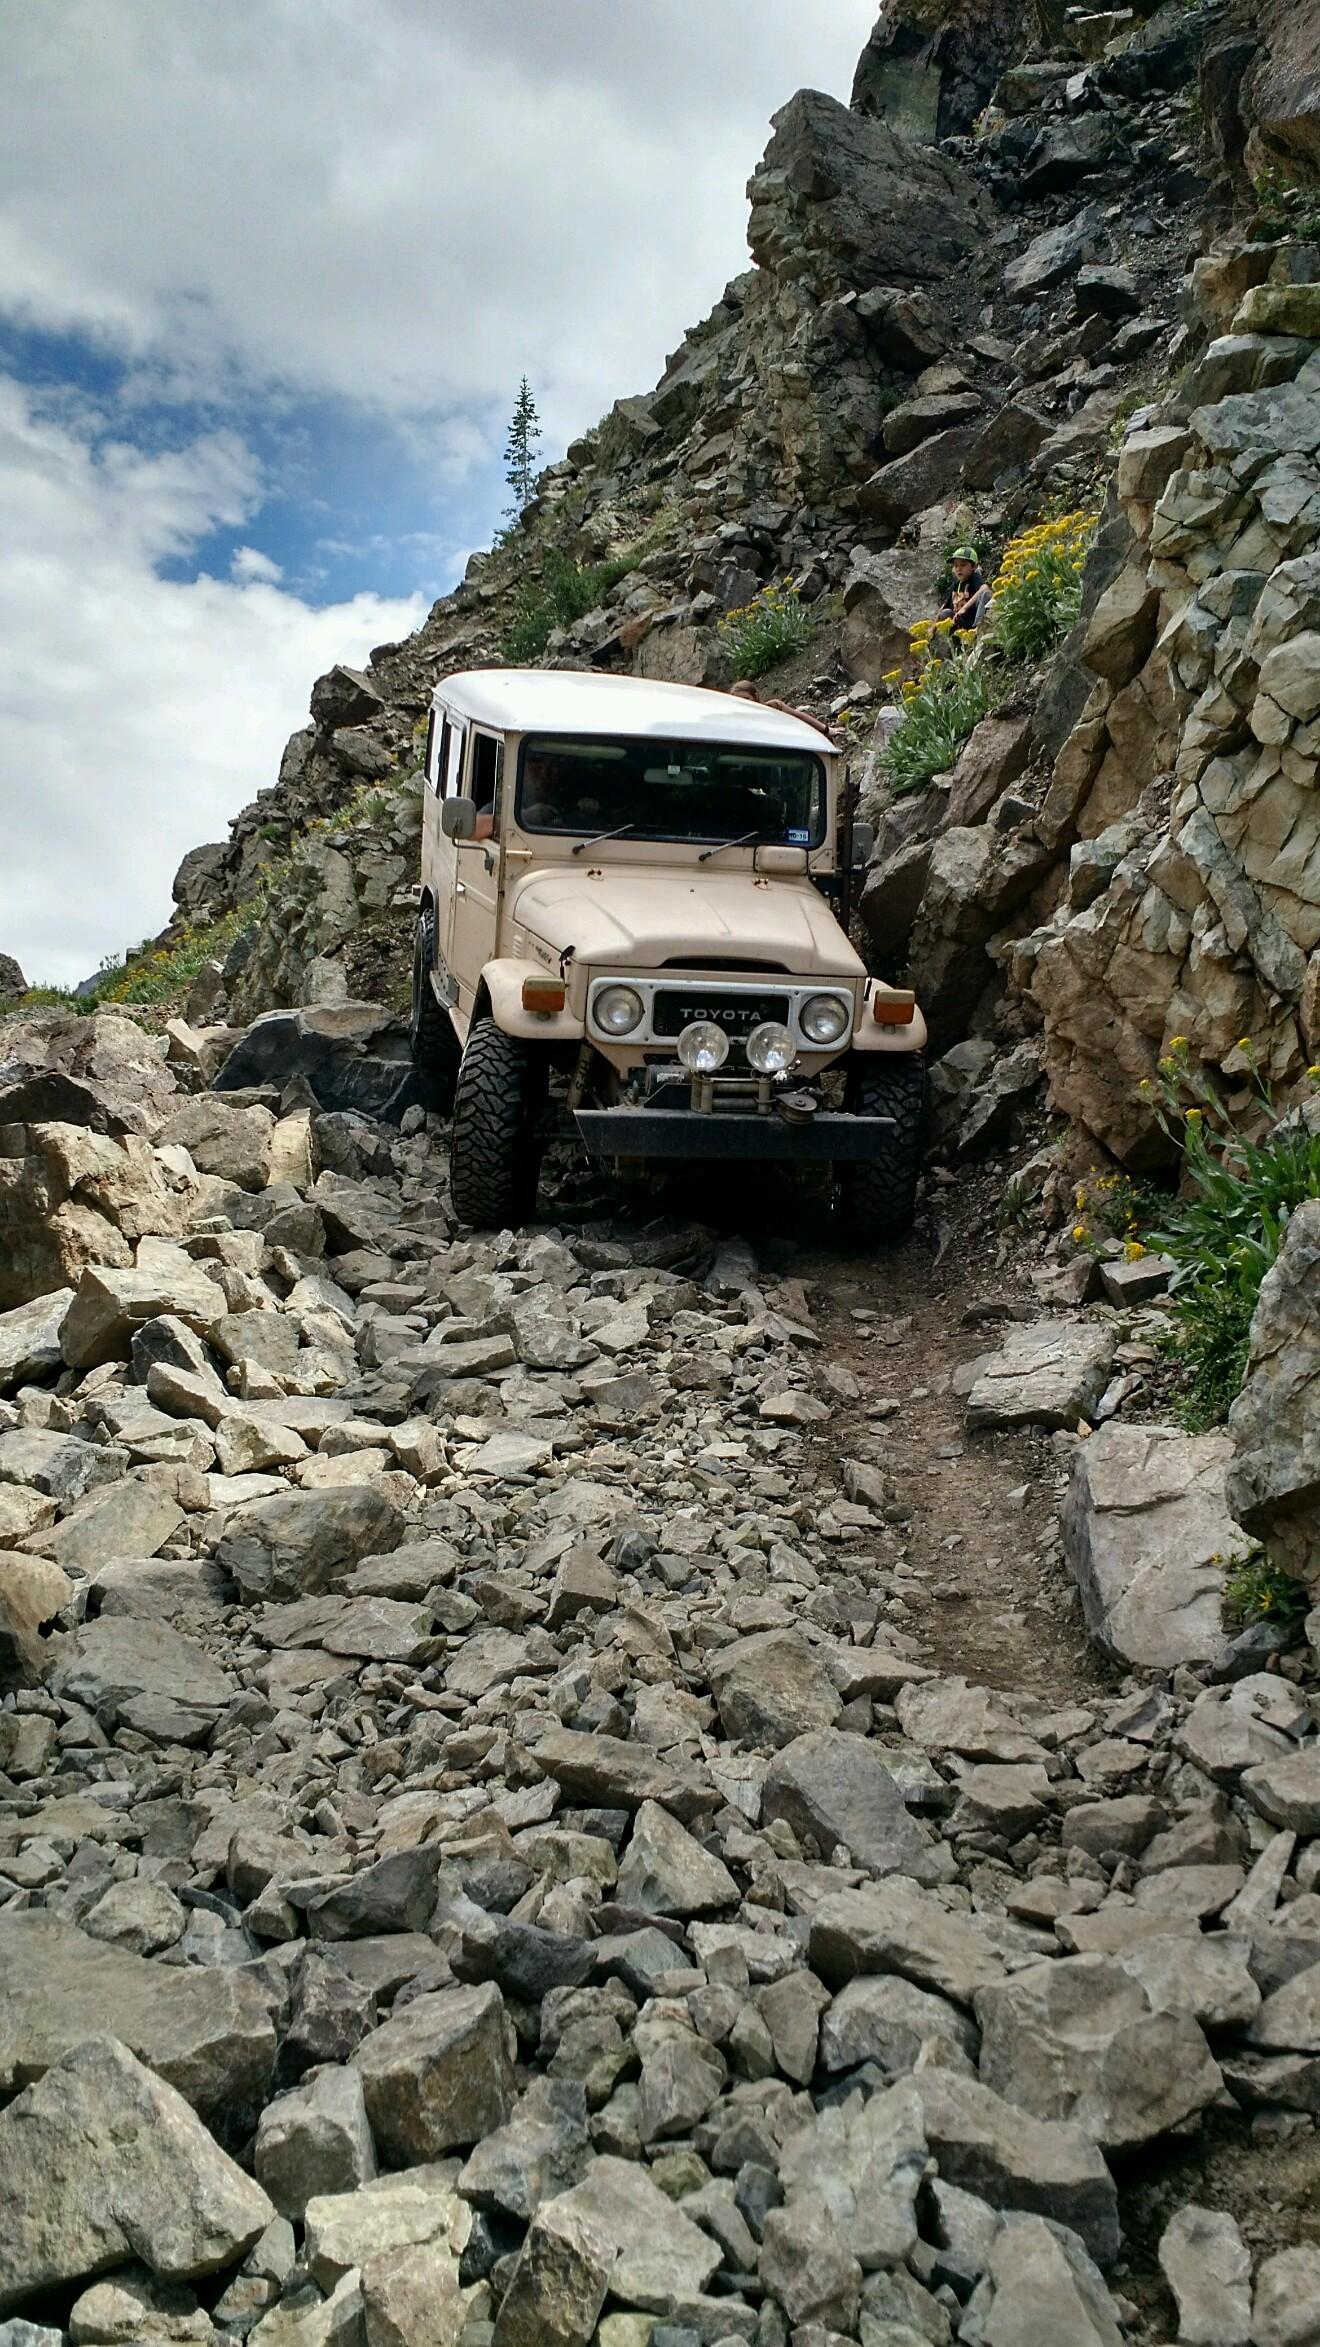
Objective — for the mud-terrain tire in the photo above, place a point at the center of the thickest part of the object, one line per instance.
(435, 1047)
(876, 1199)
(495, 1144)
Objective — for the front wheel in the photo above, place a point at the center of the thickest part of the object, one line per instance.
(495, 1143)
(431, 1038)
(877, 1198)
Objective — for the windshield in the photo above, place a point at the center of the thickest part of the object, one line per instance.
(642, 789)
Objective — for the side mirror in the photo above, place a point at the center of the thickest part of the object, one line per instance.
(863, 844)
(458, 818)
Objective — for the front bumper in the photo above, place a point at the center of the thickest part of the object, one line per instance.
(748, 1133)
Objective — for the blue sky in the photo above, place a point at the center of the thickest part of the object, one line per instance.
(269, 273)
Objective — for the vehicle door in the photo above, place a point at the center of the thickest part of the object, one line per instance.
(475, 898)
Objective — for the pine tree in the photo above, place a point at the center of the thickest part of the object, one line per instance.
(521, 446)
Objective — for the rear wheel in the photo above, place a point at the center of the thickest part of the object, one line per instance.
(434, 1045)
(495, 1141)
(877, 1198)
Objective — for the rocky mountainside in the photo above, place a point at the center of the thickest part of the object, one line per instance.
(632, 1783)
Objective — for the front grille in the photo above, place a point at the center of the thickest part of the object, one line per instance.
(676, 1007)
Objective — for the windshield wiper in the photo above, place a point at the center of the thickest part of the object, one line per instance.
(720, 845)
(582, 845)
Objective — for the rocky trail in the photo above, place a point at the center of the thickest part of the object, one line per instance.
(553, 1786)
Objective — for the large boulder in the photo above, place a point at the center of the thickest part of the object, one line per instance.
(1046, 1373)
(30, 1339)
(69, 1067)
(1274, 1476)
(1147, 1536)
(884, 596)
(846, 202)
(352, 1055)
(927, 72)
(305, 1542)
(207, 2030)
(103, 2162)
(111, 1305)
(71, 1198)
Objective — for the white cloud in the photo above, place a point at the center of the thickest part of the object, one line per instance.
(249, 565)
(398, 203)
(137, 713)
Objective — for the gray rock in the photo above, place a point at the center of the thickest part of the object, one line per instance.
(1045, 2290)
(772, 1687)
(665, 1871)
(1146, 1535)
(607, 1773)
(558, 2285)
(104, 2161)
(660, 2255)
(314, 2140)
(1287, 1790)
(837, 1789)
(209, 2033)
(128, 1518)
(1285, 2311)
(1046, 1373)
(542, 2150)
(888, 2021)
(894, 1927)
(412, 2298)
(866, 2161)
(1289, 2020)
(121, 1665)
(1077, 2039)
(30, 1340)
(110, 1305)
(1049, 2168)
(1207, 2265)
(438, 2075)
(807, 2266)
(348, 2230)
(1274, 1481)
(305, 1542)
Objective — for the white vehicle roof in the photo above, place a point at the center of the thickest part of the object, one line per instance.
(571, 701)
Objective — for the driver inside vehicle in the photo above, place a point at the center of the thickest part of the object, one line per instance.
(549, 801)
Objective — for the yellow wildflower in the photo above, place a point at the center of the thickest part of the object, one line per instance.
(1133, 1251)
(1079, 1231)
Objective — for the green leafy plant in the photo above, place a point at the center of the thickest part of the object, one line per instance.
(1257, 1591)
(1286, 210)
(941, 706)
(1225, 1227)
(565, 591)
(759, 634)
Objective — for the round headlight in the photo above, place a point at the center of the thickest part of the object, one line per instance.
(618, 1009)
(825, 1018)
(771, 1048)
(703, 1047)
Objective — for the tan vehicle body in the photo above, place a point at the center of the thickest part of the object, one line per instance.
(699, 928)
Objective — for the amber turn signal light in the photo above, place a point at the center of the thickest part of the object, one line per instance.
(894, 1009)
(543, 994)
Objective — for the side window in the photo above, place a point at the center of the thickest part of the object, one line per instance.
(428, 761)
(454, 744)
(486, 784)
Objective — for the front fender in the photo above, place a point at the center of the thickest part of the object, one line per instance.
(872, 1035)
(502, 983)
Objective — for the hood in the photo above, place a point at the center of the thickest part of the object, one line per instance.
(641, 916)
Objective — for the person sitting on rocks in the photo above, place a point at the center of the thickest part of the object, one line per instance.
(968, 599)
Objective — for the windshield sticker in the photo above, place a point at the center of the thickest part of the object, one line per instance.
(798, 839)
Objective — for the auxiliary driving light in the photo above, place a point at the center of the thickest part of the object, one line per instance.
(771, 1048)
(825, 1018)
(618, 1009)
(703, 1047)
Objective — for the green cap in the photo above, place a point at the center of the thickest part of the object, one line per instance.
(964, 554)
